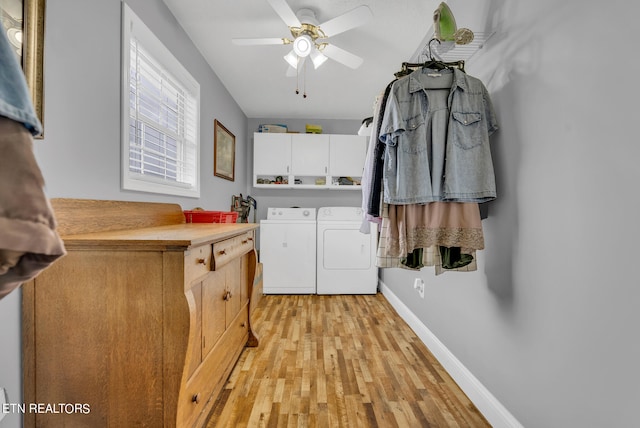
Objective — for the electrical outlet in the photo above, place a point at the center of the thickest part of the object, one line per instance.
(418, 284)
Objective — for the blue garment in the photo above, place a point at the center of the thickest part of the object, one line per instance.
(15, 100)
(436, 127)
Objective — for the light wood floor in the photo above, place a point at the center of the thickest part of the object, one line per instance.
(339, 361)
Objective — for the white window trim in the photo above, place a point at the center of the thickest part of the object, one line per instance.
(133, 27)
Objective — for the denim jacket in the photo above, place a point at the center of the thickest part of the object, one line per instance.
(15, 100)
(466, 162)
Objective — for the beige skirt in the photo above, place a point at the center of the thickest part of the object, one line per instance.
(406, 228)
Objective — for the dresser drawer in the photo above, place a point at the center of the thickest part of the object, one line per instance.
(227, 250)
(197, 262)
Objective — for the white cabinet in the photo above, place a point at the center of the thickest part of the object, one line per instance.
(310, 154)
(347, 154)
(272, 155)
(309, 159)
(313, 161)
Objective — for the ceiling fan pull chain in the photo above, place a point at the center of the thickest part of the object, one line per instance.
(304, 82)
(298, 77)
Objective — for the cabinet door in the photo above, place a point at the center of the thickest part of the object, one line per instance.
(234, 302)
(213, 309)
(309, 155)
(196, 356)
(245, 279)
(271, 154)
(347, 155)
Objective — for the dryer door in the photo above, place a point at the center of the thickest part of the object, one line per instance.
(346, 248)
(346, 259)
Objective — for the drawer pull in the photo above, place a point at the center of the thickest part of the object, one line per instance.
(222, 252)
(245, 241)
(201, 261)
(243, 325)
(227, 296)
(195, 398)
(250, 239)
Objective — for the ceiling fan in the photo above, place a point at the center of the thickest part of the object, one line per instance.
(309, 38)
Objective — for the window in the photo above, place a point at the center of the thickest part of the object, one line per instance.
(160, 116)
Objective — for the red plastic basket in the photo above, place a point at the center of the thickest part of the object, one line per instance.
(210, 216)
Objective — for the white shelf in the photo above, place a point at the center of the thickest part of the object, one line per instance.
(308, 186)
(306, 158)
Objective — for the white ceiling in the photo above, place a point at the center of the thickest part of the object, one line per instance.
(255, 75)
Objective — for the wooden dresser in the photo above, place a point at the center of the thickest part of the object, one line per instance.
(141, 323)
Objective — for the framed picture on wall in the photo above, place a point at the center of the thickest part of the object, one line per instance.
(23, 20)
(224, 152)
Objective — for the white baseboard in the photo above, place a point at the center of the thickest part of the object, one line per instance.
(497, 415)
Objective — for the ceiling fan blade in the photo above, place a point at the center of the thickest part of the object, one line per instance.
(260, 41)
(347, 21)
(342, 56)
(285, 12)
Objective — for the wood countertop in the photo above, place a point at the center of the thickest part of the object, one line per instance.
(89, 223)
(174, 236)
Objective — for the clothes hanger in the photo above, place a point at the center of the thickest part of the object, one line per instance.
(433, 63)
(436, 64)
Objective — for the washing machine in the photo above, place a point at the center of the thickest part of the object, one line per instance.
(288, 251)
(346, 256)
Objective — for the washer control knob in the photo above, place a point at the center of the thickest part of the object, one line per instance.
(306, 213)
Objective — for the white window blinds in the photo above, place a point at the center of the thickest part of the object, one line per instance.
(161, 136)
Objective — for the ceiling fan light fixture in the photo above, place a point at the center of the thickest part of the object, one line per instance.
(302, 45)
(292, 59)
(318, 58)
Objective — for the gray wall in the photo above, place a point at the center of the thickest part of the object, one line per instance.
(80, 154)
(549, 323)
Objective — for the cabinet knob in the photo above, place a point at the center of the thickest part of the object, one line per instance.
(201, 261)
(243, 325)
(195, 398)
(222, 252)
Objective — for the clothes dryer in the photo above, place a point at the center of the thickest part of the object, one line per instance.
(288, 251)
(346, 256)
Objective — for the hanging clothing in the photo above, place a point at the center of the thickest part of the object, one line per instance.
(411, 235)
(28, 240)
(443, 258)
(366, 181)
(15, 101)
(449, 224)
(428, 170)
(377, 170)
(436, 128)
(371, 182)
